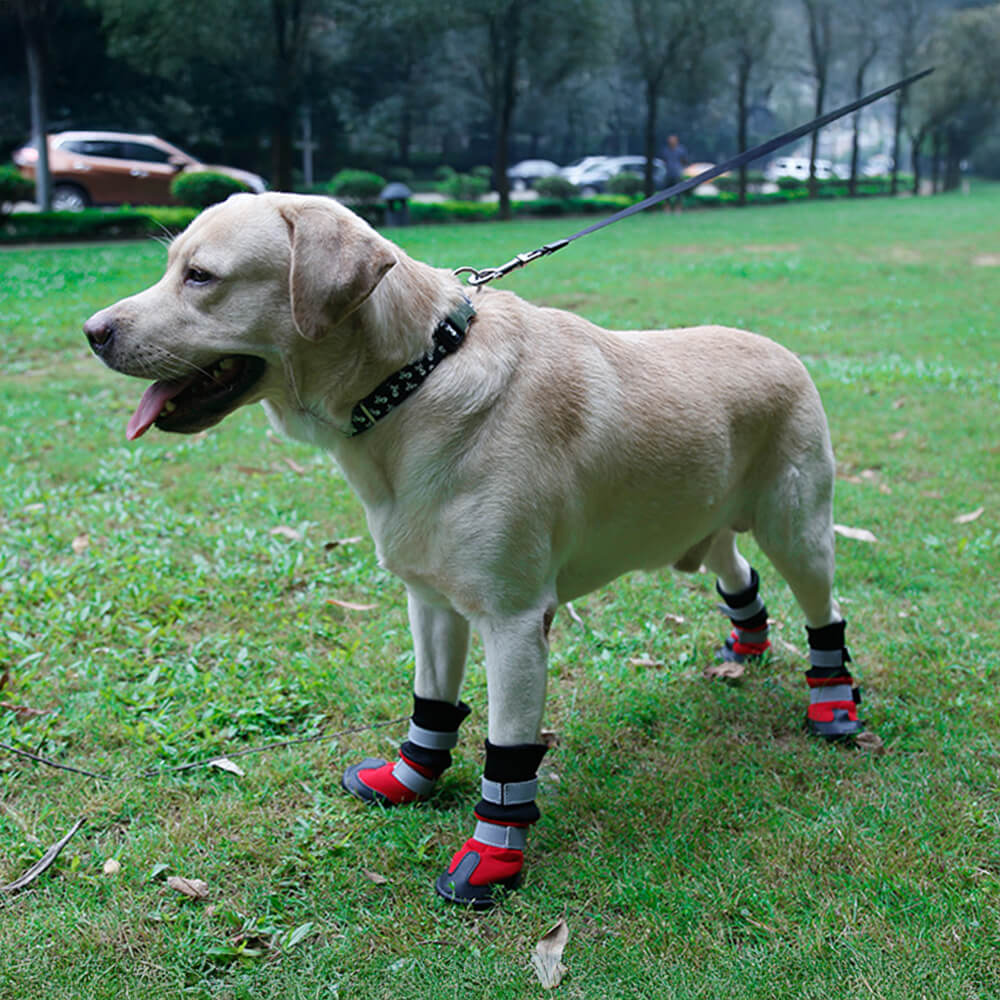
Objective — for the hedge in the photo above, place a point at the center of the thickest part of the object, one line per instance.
(201, 188)
(94, 224)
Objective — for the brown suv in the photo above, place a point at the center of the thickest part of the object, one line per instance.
(114, 168)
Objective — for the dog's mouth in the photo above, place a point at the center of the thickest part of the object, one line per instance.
(197, 401)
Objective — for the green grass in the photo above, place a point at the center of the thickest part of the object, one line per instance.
(696, 842)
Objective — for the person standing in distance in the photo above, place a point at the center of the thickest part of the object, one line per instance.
(675, 156)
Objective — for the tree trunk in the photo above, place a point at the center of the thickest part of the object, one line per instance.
(936, 162)
(649, 143)
(743, 114)
(897, 131)
(506, 33)
(814, 138)
(35, 55)
(859, 90)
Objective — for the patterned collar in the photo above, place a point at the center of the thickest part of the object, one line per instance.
(448, 337)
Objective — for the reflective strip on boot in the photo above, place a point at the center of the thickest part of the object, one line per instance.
(746, 612)
(511, 793)
(514, 838)
(827, 657)
(408, 776)
(432, 739)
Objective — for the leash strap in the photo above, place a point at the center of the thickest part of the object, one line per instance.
(488, 274)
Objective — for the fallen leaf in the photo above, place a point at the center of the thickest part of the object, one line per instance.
(898, 404)
(294, 466)
(194, 888)
(22, 711)
(644, 661)
(676, 619)
(726, 669)
(573, 613)
(225, 764)
(550, 738)
(350, 605)
(81, 543)
(374, 877)
(251, 470)
(897, 436)
(546, 959)
(871, 743)
(4, 677)
(112, 867)
(973, 515)
(858, 534)
(290, 533)
(342, 541)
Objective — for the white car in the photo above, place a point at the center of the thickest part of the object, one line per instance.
(797, 167)
(522, 175)
(579, 168)
(591, 177)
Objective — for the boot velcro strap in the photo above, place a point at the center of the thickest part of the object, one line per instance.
(495, 835)
(750, 636)
(432, 739)
(834, 692)
(408, 776)
(509, 793)
(828, 657)
(744, 613)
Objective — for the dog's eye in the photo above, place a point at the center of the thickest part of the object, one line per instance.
(196, 276)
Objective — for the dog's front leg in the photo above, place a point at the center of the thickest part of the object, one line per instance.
(441, 643)
(516, 659)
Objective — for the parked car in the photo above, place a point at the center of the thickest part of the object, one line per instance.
(880, 165)
(797, 167)
(578, 168)
(592, 177)
(522, 175)
(115, 168)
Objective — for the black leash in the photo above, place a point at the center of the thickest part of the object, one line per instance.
(478, 277)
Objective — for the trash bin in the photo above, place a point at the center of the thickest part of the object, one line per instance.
(396, 197)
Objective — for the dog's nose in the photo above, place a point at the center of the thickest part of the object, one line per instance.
(100, 331)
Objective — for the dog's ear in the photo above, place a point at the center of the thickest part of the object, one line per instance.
(337, 262)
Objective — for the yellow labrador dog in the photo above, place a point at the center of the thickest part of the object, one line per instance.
(509, 458)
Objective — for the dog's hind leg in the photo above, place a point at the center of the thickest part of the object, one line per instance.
(738, 586)
(493, 857)
(796, 533)
(441, 642)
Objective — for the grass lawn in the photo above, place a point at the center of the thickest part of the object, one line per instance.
(167, 601)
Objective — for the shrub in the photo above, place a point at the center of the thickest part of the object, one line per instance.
(13, 188)
(201, 188)
(443, 172)
(731, 181)
(482, 171)
(555, 187)
(464, 187)
(626, 183)
(357, 185)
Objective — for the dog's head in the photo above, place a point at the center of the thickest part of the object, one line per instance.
(247, 285)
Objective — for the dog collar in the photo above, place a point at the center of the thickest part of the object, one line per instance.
(387, 395)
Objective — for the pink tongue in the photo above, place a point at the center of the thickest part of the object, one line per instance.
(151, 405)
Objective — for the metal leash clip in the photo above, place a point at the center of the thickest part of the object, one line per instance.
(488, 274)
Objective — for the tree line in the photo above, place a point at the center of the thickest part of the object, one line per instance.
(410, 83)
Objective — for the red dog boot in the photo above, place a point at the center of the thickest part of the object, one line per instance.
(748, 614)
(833, 695)
(423, 757)
(492, 858)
